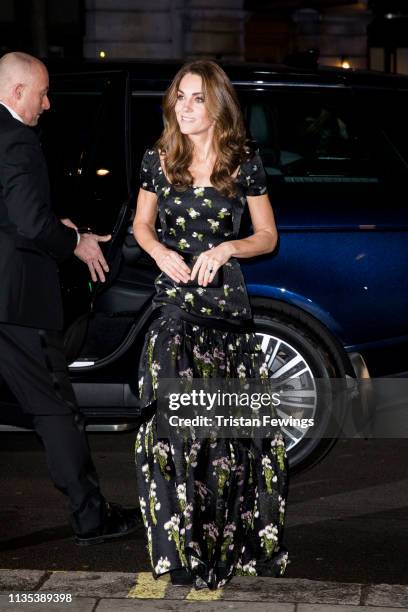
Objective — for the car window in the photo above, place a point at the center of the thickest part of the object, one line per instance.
(387, 111)
(330, 156)
(316, 137)
(84, 139)
(147, 125)
(66, 132)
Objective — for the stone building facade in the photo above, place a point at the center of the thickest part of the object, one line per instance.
(227, 29)
(338, 30)
(165, 28)
(355, 33)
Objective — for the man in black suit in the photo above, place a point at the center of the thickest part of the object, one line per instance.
(32, 361)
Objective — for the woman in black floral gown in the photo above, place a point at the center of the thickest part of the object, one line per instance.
(212, 508)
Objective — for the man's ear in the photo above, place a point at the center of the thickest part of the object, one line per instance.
(18, 91)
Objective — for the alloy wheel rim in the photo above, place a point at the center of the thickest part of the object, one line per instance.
(294, 380)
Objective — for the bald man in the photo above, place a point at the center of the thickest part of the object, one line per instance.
(32, 361)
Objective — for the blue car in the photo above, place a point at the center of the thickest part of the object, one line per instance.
(330, 303)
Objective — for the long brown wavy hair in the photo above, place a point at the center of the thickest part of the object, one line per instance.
(229, 131)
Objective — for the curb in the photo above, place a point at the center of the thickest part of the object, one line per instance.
(119, 592)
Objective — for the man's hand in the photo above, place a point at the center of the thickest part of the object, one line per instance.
(88, 251)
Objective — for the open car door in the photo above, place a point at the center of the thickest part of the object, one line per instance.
(85, 138)
(86, 141)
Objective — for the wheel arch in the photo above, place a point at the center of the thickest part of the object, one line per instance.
(325, 335)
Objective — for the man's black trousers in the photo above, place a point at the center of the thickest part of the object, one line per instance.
(33, 364)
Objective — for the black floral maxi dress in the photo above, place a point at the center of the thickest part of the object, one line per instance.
(214, 507)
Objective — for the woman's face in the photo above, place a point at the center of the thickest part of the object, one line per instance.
(191, 109)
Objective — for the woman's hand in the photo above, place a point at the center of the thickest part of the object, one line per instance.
(144, 231)
(171, 263)
(209, 262)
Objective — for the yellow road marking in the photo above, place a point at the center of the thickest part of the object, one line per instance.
(147, 587)
(204, 595)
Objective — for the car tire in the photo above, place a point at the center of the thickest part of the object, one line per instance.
(304, 342)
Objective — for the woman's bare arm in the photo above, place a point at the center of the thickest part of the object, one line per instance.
(144, 231)
(262, 241)
(265, 236)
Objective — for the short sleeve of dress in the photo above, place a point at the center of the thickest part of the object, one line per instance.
(254, 176)
(148, 170)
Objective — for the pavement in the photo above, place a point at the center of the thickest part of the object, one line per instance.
(346, 531)
(122, 592)
(347, 517)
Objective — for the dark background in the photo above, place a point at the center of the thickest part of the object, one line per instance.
(365, 34)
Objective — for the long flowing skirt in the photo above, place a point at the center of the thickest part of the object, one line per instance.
(214, 506)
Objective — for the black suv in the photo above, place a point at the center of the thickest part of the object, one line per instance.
(331, 302)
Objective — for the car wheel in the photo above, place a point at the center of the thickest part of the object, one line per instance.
(302, 358)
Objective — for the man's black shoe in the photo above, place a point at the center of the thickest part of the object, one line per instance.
(118, 522)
